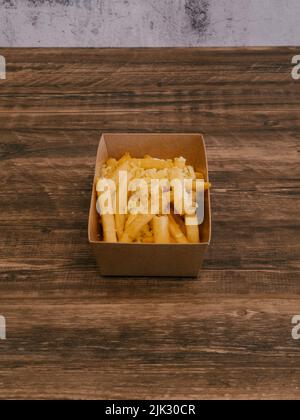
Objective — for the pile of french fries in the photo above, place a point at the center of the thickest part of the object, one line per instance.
(157, 228)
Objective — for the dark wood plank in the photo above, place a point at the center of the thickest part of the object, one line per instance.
(73, 334)
(210, 90)
(230, 348)
(215, 121)
(45, 69)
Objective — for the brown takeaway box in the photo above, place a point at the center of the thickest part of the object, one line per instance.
(172, 260)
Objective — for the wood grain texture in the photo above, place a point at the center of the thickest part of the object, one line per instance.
(72, 334)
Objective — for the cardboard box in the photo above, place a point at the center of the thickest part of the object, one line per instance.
(171, 260)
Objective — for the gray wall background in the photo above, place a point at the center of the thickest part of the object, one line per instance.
(149, 23)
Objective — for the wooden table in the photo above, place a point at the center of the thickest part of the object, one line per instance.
(72, 334)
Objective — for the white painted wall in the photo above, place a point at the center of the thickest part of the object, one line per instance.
(149, 23)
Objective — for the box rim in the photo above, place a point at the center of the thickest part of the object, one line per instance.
(145, 245)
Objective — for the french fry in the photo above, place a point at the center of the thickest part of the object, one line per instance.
(108, 224)
(176, 173)
(120, 224)
(124, 159)
(180, 163)
(162, 200)
(192, 229)
(207, 186)
(132, 231)
(199, 175)
(161, 230)
(109, 228)
(125, 167)
(131, 219)
(114, 165)
(176, 232)
(152, 163)
(180, 222)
